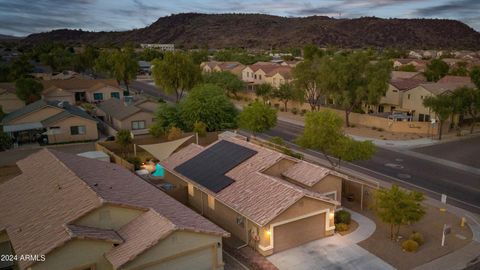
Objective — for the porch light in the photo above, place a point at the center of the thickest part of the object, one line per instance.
(268, 232)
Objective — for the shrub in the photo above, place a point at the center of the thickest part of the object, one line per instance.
(343, 216)
(353, 125)
(380, 129)
(277, 140)
(276, 105)
(156, 131)
(409, 245)
(303, 112)
(374, 128)
(200, 128)
(174, 133)
(341, 227)
(417, 237)
(294, 110)
(135, 161)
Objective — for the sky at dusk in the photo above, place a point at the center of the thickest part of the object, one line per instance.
(22, 17)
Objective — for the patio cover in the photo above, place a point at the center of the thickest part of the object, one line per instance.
(162, 151)
(22, 127)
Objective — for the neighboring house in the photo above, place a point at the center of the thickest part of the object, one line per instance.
(266, 72)
(266, 199)
(86, 214)
(41, 71)
(8, 98)
(420, 65)
(392, 100)
(215, 66)
(53, 121)
(136, 116)
(466, 80)
(413, 98)
(145, 67)
(77, 90)
(408, 75)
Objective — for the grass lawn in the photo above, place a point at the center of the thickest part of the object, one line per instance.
(430, 227)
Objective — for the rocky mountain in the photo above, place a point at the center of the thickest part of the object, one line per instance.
(191, 30)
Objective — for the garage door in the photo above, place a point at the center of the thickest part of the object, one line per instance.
(298, 232)
(201, 260)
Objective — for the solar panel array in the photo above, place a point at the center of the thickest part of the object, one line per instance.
(210, 166)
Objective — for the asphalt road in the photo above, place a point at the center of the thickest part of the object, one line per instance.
(463, 151)
(462, 188)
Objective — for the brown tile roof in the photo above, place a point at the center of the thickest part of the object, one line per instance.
(405, 84)
(140, 234)
(57, 188)
(456, 79)
(285, 71)
(306, 173)
(257, 196)
(117, 108)
(440, 88)
(266, 67)
(404, 74)
(79, 83)
(84, 232)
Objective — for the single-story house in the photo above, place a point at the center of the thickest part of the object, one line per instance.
(8, 99)
(73, 212)
(50, 121)
(466, 80)
(262, 197)
(81, 90)
(136, 116)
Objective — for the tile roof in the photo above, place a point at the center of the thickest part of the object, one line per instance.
(118, 109)
(84, 232)
(285, 71)
(440, 88)
(257, 196)
(140, 234)
(57, 188)
(306, 173)
(67, 110)
(456, 79)
(405, 84)
(78, 83)
(265, 67)
(404, 74)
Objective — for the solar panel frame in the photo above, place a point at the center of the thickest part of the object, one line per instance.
(210, 166)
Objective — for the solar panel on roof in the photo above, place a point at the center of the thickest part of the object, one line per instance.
(210, 166)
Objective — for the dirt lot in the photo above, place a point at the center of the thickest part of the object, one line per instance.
(431, 229)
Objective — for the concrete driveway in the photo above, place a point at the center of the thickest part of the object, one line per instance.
(335, 252)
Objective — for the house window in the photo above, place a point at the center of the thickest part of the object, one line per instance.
(408, 97)
(395, 91)
(259, 77)
(421, 97)
(211, 202)
(427, 118)
(255, 76)
(115, 95)
(138, 125)
(97, 96)
(191, 190)
(77, 130)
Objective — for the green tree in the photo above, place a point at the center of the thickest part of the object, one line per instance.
(309, 77)
(28, 90)
(312, 51)
(442, 106)
(225, 80)
(408, 68)
(166, 117)
(124, 139)
(323, 132)
(199, 56)
(85, 60)
(176, 73)
(200, 128)
(257, 118)
(20, 68)
(208, 103)
(468, 101)
(475, 76)
(287, 92)
(460, 69)
(398, 207)
(264, 91)
(149, 54)
(355, 80)
(119, 64)
(436, 69)
(5, 141)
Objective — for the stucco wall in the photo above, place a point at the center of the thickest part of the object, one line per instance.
(10, 102)
(109, 217)
(91, 131)
(75, 254)
(60, 95)
(106, 91)
(328, 184)
(415, 102)
(140, 116)
(177, 247)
